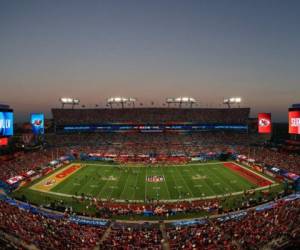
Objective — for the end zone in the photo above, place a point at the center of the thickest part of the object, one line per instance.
(51, 181)
(249, 175)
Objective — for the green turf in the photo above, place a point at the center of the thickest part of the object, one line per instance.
(129, 183)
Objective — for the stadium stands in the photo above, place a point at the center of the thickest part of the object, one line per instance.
(150, 115)
(272, 228)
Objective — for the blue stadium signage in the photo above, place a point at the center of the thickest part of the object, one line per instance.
(6, 123)
(154, 128)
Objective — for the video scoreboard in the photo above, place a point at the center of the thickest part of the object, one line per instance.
(6, 122)
(294, 121)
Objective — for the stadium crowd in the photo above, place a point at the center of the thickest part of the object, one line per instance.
(47, 233)
(159, 146)
(134, 236)
(108, 209)
(253, 230)
(22, 162)
(150, 115)
(273, 157)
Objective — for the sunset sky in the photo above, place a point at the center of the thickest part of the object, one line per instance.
(150, 50)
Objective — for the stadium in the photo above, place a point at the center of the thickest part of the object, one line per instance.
(125, 177)
(149, 125)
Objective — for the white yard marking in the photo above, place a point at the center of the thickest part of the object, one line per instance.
(198, 186)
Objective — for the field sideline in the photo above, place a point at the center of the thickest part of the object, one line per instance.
(141, 183)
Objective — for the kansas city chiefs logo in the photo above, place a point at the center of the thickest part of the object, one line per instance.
(264, 122)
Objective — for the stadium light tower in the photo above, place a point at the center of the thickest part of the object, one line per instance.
(69, 101)
(232, 100)
(121, 100)
(181, 100)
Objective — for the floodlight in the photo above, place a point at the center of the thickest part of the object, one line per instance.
(238, 99)
(69, 101)
(180, 100)
(232, 100)
(120, 100)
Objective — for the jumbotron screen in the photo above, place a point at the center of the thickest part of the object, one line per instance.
(37, 122)
(6, 123)
(264, 123)
(294, 121)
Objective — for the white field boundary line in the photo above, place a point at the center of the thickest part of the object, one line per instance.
(35, 188)
(264, 177)
(170, 200)
(177, 200)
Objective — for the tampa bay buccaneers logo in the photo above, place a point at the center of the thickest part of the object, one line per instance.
(264, 122)
(37, 122)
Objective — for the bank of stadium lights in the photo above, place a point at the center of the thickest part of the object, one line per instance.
(69, 101)
(120, 100)
(181, 100)
(232, 100)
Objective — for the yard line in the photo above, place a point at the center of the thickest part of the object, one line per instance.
(233, 184)
(136, 182)
(216, 187)
(146, 185)
(116, 184)
(124, 188)
(178, 193)
(165, 182)
(186, 183)
(104, 185)
(205, 182)
(88, 182)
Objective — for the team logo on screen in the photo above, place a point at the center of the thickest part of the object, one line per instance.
(263, 122)
(38, 122)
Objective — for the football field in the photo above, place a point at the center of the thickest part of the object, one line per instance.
(137, 183)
